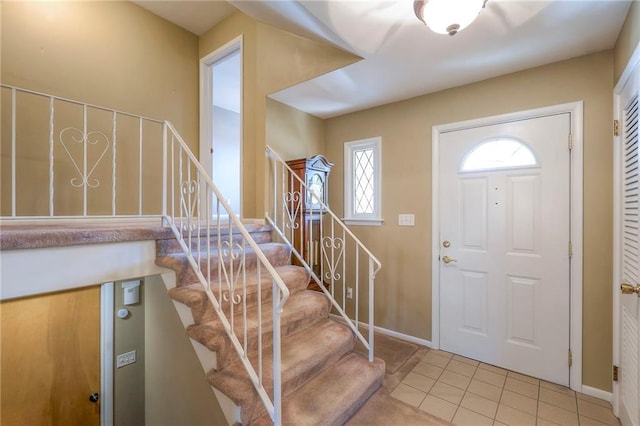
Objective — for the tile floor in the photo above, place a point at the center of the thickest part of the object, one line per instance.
(466, 392)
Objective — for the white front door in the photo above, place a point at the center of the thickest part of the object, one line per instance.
(505, 245)
(628, 257)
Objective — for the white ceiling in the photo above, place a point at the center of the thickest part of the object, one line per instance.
(402, 58)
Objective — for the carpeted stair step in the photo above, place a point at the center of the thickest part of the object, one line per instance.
(334, 395)
(302, 310)
(195, 297)
(260, 233)
(277, 253)
(304, 355)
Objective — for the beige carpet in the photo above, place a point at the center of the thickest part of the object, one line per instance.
(393, 352)
(383, 410)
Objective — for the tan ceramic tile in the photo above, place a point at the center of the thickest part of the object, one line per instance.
(419, 381)
(438, 407)
(497, 423)
(455, 379)
(493, 369)
(479, 404)
(461, 367)
(428, 370)
(557, 388)
(593, 400)
(489, 377)
(597, 412)
(512, 417)
(558, 399)
(557, 414)
(408, 395)
(436, 359)
(519, 402)
(447, 392)
(469, 361)
(441, 353)
(524, 378)
(485, 389)
(587, 421)
(544, 422)
(466, 417)
(523, 388)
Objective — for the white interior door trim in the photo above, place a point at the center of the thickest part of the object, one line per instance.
(576, 111)
(628, 73)
(206, 100)
(106, 353)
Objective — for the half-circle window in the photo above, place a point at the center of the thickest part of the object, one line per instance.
(499, 154)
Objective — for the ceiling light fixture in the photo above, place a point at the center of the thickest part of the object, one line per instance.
(447, 16)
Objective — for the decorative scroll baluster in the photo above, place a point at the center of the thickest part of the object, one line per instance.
(335, 241)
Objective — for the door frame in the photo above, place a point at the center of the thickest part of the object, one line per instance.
(206, 125)
(107, 305)
(575, 109)
(631, 70)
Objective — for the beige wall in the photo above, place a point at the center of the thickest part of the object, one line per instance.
(403, 286)
(129, 381)
(177, 392)
(113, 54)
(272, 60)
(627, 40)
(293, 133)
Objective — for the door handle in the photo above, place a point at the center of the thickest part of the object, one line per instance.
(94, 397)
(447, 259)
(630, 289)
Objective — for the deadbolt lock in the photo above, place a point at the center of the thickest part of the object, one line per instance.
(446, 244)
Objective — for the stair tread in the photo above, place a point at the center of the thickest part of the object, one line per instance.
(213, 250)
(303, 356)
(334, 395)
(301, 305)
(295, 277)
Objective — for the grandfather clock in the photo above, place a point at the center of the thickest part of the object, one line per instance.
(314, 171)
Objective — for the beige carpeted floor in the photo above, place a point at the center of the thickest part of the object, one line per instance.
(383, 410)
(393, 352)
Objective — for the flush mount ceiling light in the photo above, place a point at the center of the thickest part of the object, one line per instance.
(447, 16)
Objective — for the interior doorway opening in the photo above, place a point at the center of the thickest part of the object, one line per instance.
(221, 121)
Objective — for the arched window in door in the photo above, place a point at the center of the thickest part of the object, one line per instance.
(498, 154)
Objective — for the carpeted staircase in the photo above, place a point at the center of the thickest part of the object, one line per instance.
(323, 380)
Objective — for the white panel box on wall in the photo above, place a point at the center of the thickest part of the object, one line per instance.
(131, 292)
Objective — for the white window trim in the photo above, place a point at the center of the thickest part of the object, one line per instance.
(374, 219)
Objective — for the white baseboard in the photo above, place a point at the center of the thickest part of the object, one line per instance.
(597, 393)
(387, 332)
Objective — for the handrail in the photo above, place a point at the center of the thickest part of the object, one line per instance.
(59, 98)
(331, 263)
(187, 225)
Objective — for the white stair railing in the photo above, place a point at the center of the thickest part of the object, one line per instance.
(72, 159)
(194, 207)
(104, 163)
(339, 263)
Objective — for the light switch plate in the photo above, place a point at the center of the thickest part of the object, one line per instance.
(406, 219)
(125, 359)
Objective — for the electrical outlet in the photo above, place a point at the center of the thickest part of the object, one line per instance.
(125, 359)
(349, 292)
